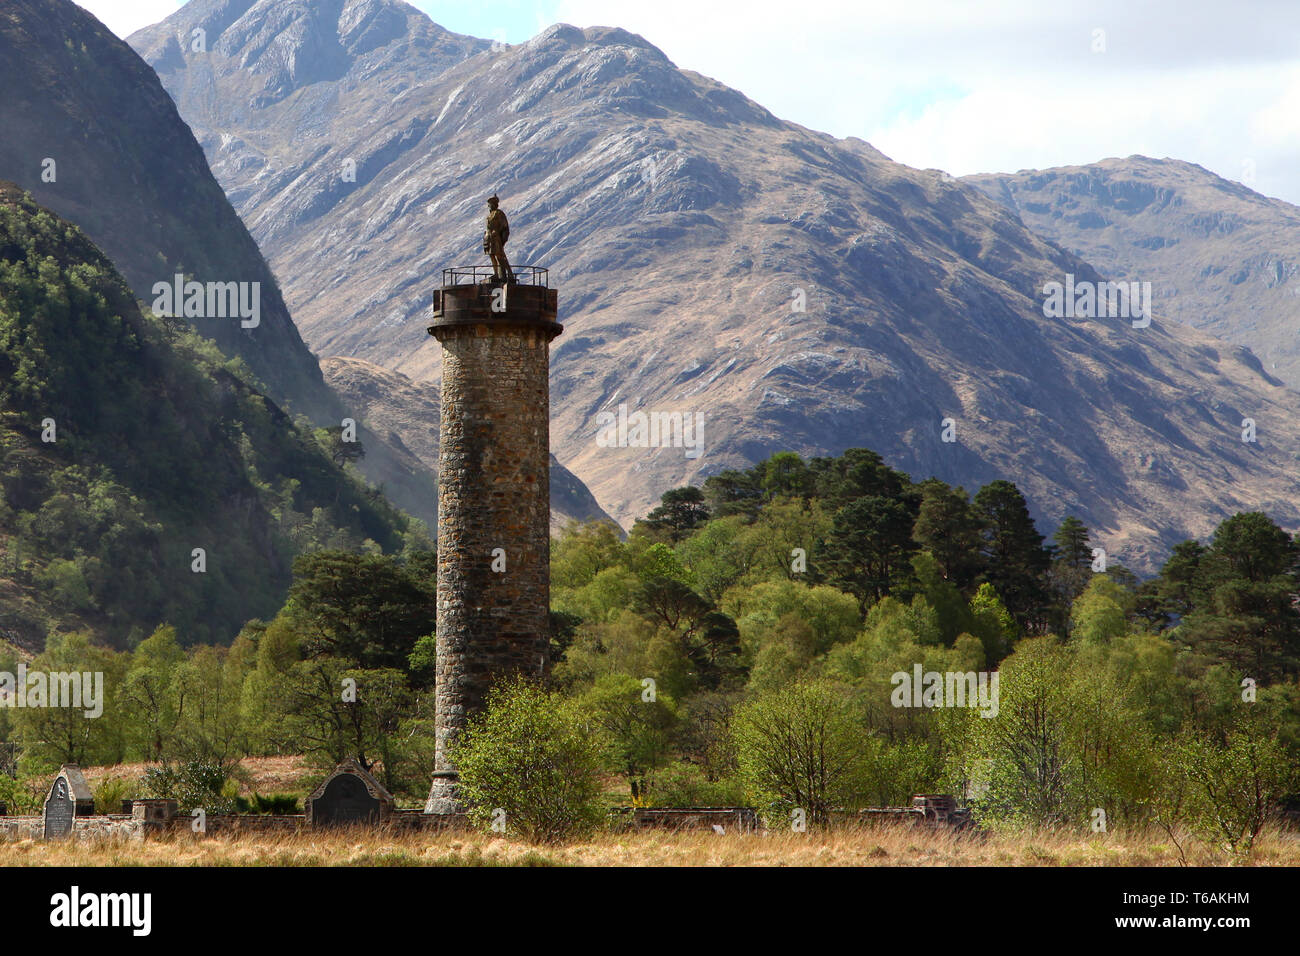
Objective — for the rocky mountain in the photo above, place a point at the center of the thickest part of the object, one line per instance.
(92, 134)
(788, 289)
(1219, 256)
(407, 415)
(143, 479)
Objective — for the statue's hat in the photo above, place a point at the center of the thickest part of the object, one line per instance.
(493, 198)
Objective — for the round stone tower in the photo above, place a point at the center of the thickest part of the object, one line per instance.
(494, 574)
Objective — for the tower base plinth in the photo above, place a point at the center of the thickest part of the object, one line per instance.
(445, 795)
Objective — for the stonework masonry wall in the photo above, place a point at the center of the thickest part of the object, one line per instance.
(118, 826)
(493, 507)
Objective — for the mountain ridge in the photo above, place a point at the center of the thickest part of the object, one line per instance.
(1217, 253)
(129, 171)
(685, 227)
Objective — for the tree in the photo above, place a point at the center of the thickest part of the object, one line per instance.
(1251, 546)
(207, 687)
(341, 452)
(948, 528)
(799, 748)
(636, 728)
(53, 735)
(149, 693)
(581, 551)
(1015, 560)
(831, 616)
(718, 555)
(942, 594)
(785, 475)
(782, 527)
(1071, 540)
(992, 623)
(869, 549)
(1100, 613)
(705, 735)
(330, 709)
(1235, 784)
(1066, 740)
(1243, 599)
(1254, 628)
(680, 510)
(1170, 596)
(363, 607)
(732, 492)
(1072, 561)
(708, 638)
(309, 713)
(527, 761)
(858, 473)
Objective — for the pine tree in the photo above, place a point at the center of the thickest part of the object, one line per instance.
(1016, 561)
(948, 528)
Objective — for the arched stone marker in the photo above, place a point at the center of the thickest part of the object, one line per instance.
(69, 798)
(349, 795)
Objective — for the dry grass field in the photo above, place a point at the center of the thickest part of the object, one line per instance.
(256, 774)
(881, 846)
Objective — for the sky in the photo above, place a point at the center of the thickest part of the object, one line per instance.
(967, 86)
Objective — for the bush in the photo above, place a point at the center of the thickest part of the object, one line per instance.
(22, 795)
(111, 792)
(684, 784)
(276, 804)
(527, 754)
(194, 785)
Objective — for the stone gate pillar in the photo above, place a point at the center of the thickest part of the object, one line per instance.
(493, 496)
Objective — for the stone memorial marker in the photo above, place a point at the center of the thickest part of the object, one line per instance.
(69, 798)
(59, 811)
(349, 795)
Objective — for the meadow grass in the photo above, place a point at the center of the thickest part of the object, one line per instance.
(891, 845)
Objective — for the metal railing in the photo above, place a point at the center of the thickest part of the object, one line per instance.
(481, 275)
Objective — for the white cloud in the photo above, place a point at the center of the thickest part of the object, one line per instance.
(1002, 85)
(124, 17)
(981, 85)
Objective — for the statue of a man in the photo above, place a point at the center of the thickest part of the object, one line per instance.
(494, 241)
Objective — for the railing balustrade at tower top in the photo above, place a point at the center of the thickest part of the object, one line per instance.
(484, 275)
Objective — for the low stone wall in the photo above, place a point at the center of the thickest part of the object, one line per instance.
(22, 828)
(135, 827)
(110, 826)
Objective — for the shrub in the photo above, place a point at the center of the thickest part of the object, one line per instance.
(529, 755)
(684, 784)
(276, 804)
(22, 794)
(111, 792)
(196, 784)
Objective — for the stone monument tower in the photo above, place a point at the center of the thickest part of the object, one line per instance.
(493, 494)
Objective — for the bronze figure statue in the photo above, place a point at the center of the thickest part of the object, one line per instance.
(494, 242)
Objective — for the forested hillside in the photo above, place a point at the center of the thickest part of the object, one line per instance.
(145, 480)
